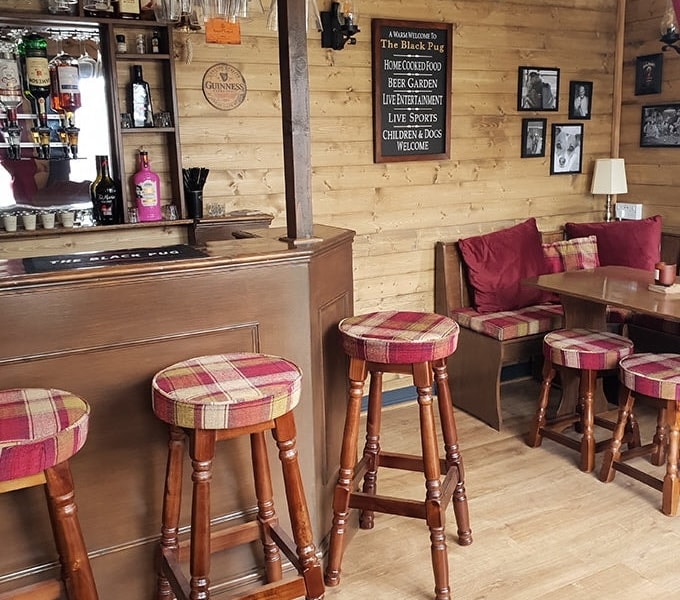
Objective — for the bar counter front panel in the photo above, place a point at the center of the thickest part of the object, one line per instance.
(102, 333)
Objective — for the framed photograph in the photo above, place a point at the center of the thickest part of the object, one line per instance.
(648, 74)
(660, 126)
(566, 148)
(533, 137)
(580, 99)
(538, 88)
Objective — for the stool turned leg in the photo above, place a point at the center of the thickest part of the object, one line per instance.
(202, 452)
(453, 456)
(266, 515)
(613, 452)
(660, 440)
(75, 564)
(169, 545)
(586, 395)
(348, 459)
(372, 446)
(671, 484)
(284, 434)
(535, 438)
(434, 507)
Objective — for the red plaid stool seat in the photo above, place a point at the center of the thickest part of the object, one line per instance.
(219, 397)
(589, 352)
(416, 344)
(654, 379)
(40, 430)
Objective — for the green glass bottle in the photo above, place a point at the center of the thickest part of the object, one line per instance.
(36, 73)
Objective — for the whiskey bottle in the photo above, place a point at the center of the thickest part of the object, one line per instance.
(147, 190)
(107, 206)
(65, 86)
(11, 94)
(128, 9)
(98, 177)
(140, 100)
(37, 74)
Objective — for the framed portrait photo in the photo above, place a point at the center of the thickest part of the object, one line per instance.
(660, 126)
(648, 74)
(580, 99)
(566, 148)
(533, 137)
(538, 88)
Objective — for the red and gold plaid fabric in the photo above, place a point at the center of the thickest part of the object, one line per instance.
(511, 324)
(399, 337)
(655, 375)
(584, 349)
(39, 429)
(224, 391)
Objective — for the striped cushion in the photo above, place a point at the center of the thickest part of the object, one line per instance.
(511, 324)
(584, 349)
(39, 429)
(394, 337)
(224, 391)
(655, 375)
(656, 323)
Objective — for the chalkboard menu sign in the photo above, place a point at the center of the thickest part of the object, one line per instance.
(411, 90)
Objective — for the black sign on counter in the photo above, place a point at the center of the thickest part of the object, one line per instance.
(411, 90)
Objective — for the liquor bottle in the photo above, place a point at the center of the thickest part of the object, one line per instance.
(65, 85)
(155, 41)
(140, 100)
(147, 190)
(98, 176)
(37, 74)
(128, 9)
(107, 204)
(11, 94)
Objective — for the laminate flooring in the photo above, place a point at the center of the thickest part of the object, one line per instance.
(541, 527)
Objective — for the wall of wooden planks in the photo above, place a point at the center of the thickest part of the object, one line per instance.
(399, 210)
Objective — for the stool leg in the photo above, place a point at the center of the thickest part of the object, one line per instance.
(348, 459)
(434, 508)
(169, 544)
(202, 451)
(613, 452)
(453, 456)
(372, 446)
(284, 434)
(266, 515)
(671, 484)
(586, 396)
(535, 438)
(660, 440)
(75, 564)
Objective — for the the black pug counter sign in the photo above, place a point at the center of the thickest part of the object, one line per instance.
(411, 90)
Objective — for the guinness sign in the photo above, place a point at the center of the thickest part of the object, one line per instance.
(224, 86)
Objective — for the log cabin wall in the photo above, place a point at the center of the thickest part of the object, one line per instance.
(653, 173)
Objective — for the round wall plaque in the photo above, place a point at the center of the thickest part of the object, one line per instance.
(224, 86)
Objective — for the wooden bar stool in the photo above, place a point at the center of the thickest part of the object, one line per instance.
(39, 431)
(590, 352)
(219, 397)
(416, 344)
(655, 379)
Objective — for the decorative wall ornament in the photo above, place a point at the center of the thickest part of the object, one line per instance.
(224, 86)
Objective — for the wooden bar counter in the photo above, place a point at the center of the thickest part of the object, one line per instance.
(103, 332)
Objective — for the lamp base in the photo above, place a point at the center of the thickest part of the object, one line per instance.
(608, 209)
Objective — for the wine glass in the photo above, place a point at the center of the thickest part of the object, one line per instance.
(61, 6)
(87, 66)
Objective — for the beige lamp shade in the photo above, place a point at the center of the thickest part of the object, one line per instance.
(609, 177)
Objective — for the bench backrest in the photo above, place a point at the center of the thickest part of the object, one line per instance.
(451, 287)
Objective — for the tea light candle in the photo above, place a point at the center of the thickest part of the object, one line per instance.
(664, 274)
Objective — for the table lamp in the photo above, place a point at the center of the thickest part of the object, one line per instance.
(609, 178)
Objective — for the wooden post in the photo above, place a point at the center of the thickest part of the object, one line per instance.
(294, 73)
(618, 78)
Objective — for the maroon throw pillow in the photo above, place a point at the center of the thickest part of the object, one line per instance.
(497, 262)
(628, 243)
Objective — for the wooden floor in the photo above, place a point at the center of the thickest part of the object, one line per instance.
(541, 527)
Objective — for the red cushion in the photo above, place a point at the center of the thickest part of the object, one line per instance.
(497, 262)
(629, 243)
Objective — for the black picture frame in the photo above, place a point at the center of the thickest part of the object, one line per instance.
(566, 148)
(538, 89)
(660, 126)
(580, 99)
(533, 137)
(648, 71)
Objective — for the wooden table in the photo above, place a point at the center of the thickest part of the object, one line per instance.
(585, 295)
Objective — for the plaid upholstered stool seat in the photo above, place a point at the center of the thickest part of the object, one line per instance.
(654, 379)
(416, 344)
(40, 430)
(219, 397)
(589, 352)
